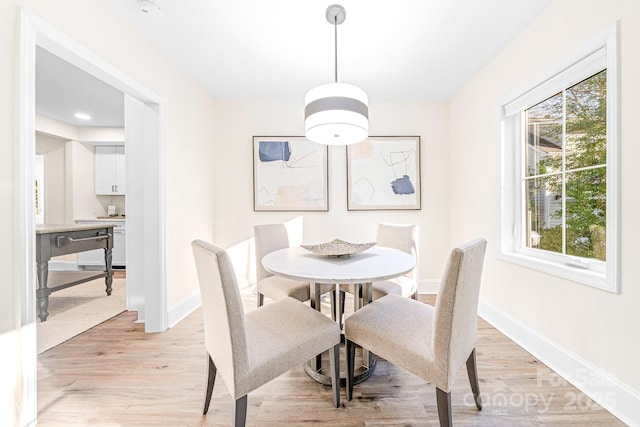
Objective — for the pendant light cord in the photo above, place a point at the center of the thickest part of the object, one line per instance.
(335, 31)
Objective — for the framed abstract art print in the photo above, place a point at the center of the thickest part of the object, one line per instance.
(383, 173)
(290, 173)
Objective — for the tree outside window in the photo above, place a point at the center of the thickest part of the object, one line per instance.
(565, 170)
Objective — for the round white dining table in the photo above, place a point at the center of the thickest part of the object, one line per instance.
(372, 265)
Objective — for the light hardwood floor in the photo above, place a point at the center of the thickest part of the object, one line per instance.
(115, 374)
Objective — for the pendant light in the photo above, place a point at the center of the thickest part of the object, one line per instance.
(336, 113)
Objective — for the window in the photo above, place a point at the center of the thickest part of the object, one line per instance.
(559, 164)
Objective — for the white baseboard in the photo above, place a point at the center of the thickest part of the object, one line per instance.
(247, 287)
(428, 286)
(189, 304)
(63, 266)
(183, 309)
(601, 387)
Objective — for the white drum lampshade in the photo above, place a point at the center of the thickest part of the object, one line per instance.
(336, 113)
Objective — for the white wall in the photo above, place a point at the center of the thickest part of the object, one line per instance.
(595, 326)
(82, 188)
(79, 168)
(237, 121)
(55, 194)
(187, 129)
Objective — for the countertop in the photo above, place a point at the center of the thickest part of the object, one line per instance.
(62, 228)
(115, 219)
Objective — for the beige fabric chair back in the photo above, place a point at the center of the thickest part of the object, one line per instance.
(403, 237)
(268, 238)
(225, 333)
(455, 325)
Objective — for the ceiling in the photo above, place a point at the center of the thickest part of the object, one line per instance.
(62, 90)
(279, 49)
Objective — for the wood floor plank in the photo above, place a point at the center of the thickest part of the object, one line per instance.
(115, 374)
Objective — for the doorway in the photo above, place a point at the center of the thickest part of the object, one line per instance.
(144, 123)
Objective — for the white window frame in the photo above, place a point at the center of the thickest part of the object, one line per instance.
(601, 53)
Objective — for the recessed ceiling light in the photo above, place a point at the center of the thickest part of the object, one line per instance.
(83, 116)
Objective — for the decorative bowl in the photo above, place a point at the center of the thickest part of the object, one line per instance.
(338, 247)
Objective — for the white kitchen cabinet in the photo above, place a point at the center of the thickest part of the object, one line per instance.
(91, 260)
(110, 170)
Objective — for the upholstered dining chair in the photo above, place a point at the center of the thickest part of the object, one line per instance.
(403, 237)
(269, 238)
(442, 338)
(248, 350)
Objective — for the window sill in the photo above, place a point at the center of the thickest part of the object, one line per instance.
(587, 277)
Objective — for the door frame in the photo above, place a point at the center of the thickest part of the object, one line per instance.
(35, 32)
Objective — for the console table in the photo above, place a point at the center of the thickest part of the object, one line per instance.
(56, 240)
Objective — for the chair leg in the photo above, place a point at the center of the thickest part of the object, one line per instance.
(334, 363)
(260, 299)
(444, 407)
(240, 412)
(314, 294)
(341, 299)
(472, 371)
(333, 305)
(351, 356)
(211, 379)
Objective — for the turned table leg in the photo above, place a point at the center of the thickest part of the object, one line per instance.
(42, 293)
(108, 279)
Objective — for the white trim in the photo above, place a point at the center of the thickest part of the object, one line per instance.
(576, 274)
(25, 240)
(613, 159)
(71, 51)
(184, 308)
(144, 249)
(247, 286)
(590, 64)
(428, 286)
(565, 62)
(66, 48)
(609, 392)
